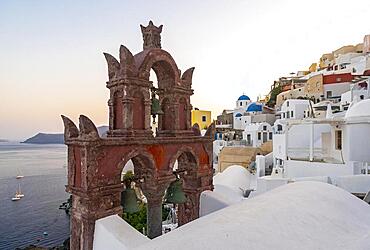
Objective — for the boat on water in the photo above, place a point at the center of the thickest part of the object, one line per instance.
(19, 175)
(16, 198)
(18, 194)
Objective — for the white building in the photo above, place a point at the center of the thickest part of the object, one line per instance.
(359, 90)
(336, 146)
(294, 108)
(245, 111)
(256, 134)
(241, 121)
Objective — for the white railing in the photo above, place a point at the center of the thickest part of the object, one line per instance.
(236, 143)
(304, 153)
(361, 167)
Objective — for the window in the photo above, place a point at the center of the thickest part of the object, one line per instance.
(338, 139)
(241, 104)
(264, 127)
(287, 103)
(259, 136)
(283, 115)
(329, 94)
(204, 118)
(270, 136)
(291, 113)
(287, 114)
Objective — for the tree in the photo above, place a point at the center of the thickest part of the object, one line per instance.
(138, 219)
(273, 95)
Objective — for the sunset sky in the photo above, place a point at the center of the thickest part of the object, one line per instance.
(52, 63)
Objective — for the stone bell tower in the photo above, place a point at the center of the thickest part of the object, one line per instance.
(95, 163)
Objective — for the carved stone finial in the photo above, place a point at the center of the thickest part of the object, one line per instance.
(113, 66)
(187, 77)
(211, 131)
(87, 128)
(151, 36)
(196, 129)
(70, 129)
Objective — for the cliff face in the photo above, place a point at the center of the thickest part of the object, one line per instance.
(44, 138)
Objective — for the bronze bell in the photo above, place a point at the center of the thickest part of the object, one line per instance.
(156, 107)
(129, 201)
(174, 193)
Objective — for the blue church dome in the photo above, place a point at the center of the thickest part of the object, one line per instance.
(254, 107)
(238, 115)
(244, 98)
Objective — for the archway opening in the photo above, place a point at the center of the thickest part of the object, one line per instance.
(185, 170)
(140, 168)
(153, 94)
(163, 74)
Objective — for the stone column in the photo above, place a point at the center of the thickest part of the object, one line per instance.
(188, 115)
(154, 216)
(176, 125)
(111, 114)
(87, 207)
(153, 190)
(127, 113)
(190, 209)
(148, 109)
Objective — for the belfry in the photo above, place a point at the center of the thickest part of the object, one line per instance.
(95, 163)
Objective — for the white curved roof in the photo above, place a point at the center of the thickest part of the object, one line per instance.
(233, 177)
(302, 215)
(359, 109)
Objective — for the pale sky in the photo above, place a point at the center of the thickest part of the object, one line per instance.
(52, 63)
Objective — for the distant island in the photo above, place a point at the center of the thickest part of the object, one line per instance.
(44, 138)
(3, 140)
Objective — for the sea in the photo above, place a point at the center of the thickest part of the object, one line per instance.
(36, 218)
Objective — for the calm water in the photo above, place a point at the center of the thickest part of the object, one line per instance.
(23, 222)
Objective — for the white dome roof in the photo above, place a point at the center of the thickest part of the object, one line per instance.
(302, 215)
(359, 109)
(234, 177)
